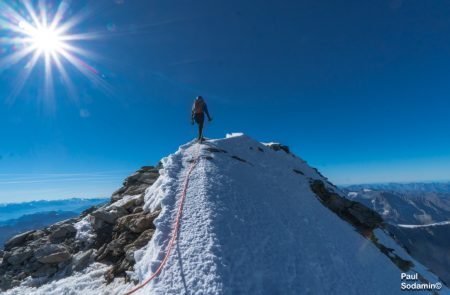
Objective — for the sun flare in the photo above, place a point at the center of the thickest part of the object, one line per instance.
(39, 30)
(47, 40)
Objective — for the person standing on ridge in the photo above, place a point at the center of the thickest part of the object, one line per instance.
(199, 109)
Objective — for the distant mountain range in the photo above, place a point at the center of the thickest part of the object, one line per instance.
(405, 207)
(16, 210)
(20, 217)
(413, 187)
(417, 214)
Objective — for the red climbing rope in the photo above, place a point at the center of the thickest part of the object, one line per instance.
(175, 229)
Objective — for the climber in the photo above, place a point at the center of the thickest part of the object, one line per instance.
(199, 109)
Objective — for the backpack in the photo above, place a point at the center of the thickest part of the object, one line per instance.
(198, 106)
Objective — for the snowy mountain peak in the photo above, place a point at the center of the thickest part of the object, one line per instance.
(255, 223)
(255, 219)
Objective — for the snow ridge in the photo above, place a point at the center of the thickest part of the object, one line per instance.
(252, 225)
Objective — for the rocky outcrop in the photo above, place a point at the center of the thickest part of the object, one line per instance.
(130, 233)
(136, 222)
(278, 147)
(60, 233)
(39, 254)
(137, 183)
(17, 240)
(119, 229)
(52, 254)
(363, 219)
(355, 213)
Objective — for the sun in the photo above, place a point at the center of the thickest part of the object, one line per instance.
(43, 38)
(42, 31)
(47, 41)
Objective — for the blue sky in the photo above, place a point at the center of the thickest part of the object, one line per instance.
(358, 90)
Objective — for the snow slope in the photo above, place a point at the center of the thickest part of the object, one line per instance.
(250, 225)
(253, 226)
(89, 281)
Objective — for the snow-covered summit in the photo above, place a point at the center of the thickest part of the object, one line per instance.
(253, 225)
(256, 220)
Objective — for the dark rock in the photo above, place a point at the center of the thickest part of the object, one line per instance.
(81, 260)
(239, 159)
(129, 253)
(19, 255)
(33, 265)
(45, 270)
(18, 240)
(139, 201)
(138, 222)
(109, 216)
(7, 281)
(298, 171)
(143, 222)
(129, 205)
(140, 242)
(104, 234)
(6, 255)
(144, 238)
(36, 235)
(320, 174)
(117, 270)
(90, 210)
(279, 147)
(215, 150)
(121, 249)
(62, 232)
(115, 250)
(365, 216)
(404, 265)
(52, 254)
(98, 224)
(15, 282)
(137, 183)
(138, 210)
(355, 213)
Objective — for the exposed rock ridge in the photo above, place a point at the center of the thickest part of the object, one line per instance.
(363, 219)
(118, 229)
